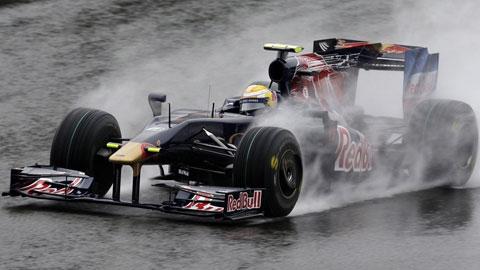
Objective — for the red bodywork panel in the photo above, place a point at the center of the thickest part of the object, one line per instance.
(332, 89)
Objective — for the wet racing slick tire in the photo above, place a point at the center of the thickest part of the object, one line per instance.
(269, 157)
(82, 133)
(442, 136)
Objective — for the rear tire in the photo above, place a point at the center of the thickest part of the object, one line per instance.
(269, 157)
(76, 143)
(443, 138)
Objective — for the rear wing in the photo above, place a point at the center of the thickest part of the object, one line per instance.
(420, 68)
(363, 54)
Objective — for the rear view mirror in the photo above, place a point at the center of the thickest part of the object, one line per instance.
(155, 100)
(231, 105)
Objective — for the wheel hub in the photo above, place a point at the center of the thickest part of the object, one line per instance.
(288, 173)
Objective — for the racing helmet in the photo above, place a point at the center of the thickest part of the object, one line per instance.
(257, 97)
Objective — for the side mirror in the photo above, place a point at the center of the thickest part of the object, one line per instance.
(155, 100)
(231, 105)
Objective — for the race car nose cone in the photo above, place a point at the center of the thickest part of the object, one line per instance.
(130, 153)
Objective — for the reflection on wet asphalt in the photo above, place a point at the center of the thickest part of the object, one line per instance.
(414, 230)
(58, 54)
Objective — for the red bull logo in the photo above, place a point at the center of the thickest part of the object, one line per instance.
(244, 202)
(44, 185)
(352, 155)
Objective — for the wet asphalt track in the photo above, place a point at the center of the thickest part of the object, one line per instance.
(58, 54)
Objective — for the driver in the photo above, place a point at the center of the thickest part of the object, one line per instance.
(257, 98)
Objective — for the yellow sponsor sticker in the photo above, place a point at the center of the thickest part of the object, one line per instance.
(274, 162)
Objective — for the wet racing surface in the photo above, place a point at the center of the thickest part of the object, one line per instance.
(56, 55)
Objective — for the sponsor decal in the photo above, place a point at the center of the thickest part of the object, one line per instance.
(244, 202)
(323, 46)
(184, 172)
(202, 203)
(253, 100)
(274, 162)
(352, 155)
(44, 185)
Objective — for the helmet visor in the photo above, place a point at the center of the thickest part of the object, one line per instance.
(252, 104)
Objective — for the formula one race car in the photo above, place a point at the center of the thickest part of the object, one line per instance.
(222, 165)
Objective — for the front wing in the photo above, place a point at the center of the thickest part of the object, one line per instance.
(222, 203)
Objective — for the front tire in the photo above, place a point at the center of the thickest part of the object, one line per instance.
(269, 157)
(78, 139)
(443, 139)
